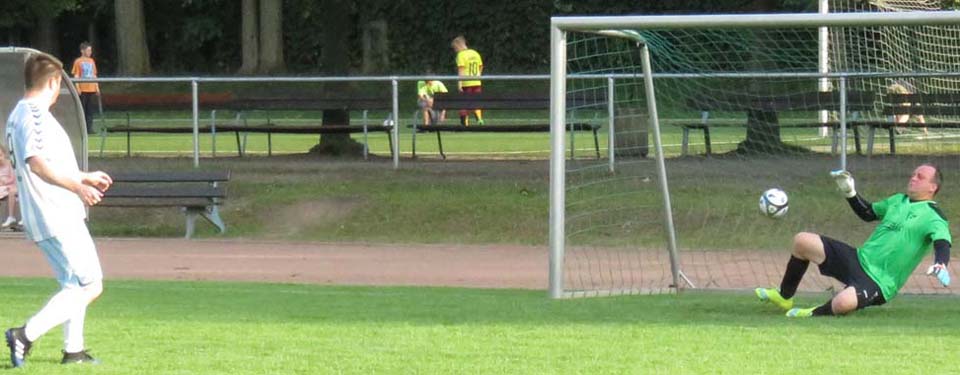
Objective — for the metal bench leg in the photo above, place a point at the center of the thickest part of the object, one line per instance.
(413, 137)
(684, 140)
(893, 147)
(128, 134)
(390, 142)
(856, 140)
(706, 139)
(239, 148)
(835, 141)
(440, 145)
(366, 142)
(596, 143)
(192, 214)
(212, 214)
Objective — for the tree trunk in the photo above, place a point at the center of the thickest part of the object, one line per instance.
(271, 37)
(47, 34)
(249, 37)
(92, 35)
(763, 126)
(335, 59)
(376, 51)
(132, 51)
(631, 132)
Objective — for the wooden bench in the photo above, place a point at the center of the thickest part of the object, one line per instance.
(241, 125)
(198, 193)
(926, 105)
(489, 101)
(857, 102)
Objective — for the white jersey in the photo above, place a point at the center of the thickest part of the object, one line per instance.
(47, 209)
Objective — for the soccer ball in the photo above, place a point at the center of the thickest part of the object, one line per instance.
(773, 203)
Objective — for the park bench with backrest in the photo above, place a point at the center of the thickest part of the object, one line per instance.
(197, 193)
(857, 102)
(348, 102)
(930, 106)
(519, 102)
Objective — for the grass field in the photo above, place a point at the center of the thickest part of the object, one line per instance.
(306, 198)
(231, 328)
(457, 145)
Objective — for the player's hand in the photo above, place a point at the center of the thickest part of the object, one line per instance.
(98, 179)
(844, 183)
(941, 273)
(89, 194)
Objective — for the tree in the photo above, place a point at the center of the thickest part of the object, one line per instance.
(249, 37)
(132, 48)
(763, 125)
(335, 58)
(271, 37)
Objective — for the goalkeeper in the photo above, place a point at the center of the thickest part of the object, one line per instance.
(909, 224)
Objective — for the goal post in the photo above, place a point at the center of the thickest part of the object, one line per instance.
(600, 246)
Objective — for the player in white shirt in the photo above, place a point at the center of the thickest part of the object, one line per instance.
(53, 192)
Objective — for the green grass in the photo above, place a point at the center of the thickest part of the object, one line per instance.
(239, 328)
(458, 145)
(478, 202)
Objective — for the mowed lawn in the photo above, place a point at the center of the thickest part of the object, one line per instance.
(149, 327)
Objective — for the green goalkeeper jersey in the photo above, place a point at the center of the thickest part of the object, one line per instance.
(903, 237)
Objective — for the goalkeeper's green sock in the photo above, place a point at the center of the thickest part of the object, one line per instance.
(773, 296)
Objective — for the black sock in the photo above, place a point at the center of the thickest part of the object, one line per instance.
(796, 267)
(824, 310)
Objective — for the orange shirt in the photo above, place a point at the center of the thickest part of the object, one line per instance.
(85, 67)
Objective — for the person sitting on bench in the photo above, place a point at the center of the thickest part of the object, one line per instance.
(8, 189)
(904, 87)
(425, 92)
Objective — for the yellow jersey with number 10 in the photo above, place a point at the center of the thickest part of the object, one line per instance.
(470, 63)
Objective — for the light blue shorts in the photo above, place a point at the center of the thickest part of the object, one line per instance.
(73, 257)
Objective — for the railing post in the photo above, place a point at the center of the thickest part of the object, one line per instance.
(611, 154)
(396, 124)
(196, 124)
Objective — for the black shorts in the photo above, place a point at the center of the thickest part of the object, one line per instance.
(842, 264)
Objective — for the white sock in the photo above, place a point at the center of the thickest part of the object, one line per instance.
(61, 307)
(73, 332)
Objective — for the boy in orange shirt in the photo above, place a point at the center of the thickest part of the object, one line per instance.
(85, 67)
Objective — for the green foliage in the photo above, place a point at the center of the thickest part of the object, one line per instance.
(202, 37)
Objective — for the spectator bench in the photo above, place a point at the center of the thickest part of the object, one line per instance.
(197, 193)
(489, 101)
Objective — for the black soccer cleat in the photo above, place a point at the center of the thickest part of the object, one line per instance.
(78, 358)
(19, 346)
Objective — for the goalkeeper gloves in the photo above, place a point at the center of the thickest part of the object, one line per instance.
(941, 272)
(844, 183)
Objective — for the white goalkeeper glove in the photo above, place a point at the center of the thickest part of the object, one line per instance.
(844, 183)
(941, 273)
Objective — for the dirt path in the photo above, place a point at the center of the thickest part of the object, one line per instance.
(480, 266)
(351, 264)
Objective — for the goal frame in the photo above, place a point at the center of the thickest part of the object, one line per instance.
(612, 26)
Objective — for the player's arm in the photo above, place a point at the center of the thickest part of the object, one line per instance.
(860, 206)
(88, 186)
(941, 257)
